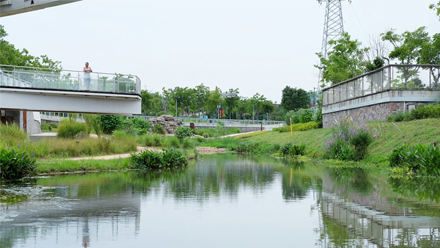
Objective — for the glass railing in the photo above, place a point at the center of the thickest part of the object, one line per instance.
(391, 77)
(40, 78)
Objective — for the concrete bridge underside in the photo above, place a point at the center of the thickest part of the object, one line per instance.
(69, 101)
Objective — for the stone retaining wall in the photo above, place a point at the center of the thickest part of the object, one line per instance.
(377, 112)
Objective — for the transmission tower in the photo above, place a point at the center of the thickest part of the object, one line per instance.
(333, 26)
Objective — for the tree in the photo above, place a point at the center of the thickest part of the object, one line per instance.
(407, 49)
(201, 94)
(9, 55)
(430, 54)
(406, 46)
(436, 8)
(214, 99)
(294, 99)
(345, 60)
(231, 99)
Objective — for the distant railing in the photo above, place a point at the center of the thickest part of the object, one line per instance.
(41, 78)
(390, 77)
(226, 121)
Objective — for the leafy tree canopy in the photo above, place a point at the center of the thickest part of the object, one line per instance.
(295, 99)
(436, 8)
(345, 60)
(407, 46)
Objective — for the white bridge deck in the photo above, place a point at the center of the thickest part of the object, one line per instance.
(35, 89)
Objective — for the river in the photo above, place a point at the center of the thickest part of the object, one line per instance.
(224, 201)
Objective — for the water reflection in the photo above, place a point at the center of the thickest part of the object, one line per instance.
(359, 210)
(267, 202)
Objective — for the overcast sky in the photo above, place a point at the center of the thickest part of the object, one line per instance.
(256, 46)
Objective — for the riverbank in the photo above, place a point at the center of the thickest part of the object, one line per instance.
(388, 136)
(116, 162)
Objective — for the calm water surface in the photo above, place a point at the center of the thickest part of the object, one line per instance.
(224, 201)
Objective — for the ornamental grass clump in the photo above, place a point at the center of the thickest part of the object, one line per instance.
(424, 159)
(168, 159)
(349, 141)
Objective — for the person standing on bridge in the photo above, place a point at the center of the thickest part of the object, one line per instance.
(87, 69)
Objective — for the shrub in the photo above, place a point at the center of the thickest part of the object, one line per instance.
(426, 111)
(171, 141)
(92, 122)
(69, 129)
(188, 143)
(183, 132)
(152, 160)
(349, 141)
(400, 116)
(109, 123)
(12, 132)
(298, 127)
(48, 126)
(220, 129)
(16, 164)
(159, 129)
(256, 148)
(292, 150)
(419, 158)
(140, 123)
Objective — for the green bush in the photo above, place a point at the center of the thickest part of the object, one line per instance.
(423, 159)
(109, 123)
(298, 127)
(159, 129)
(12, 134)
(48, 126)
(153, 140)
(188, 143)
(400, 116)
(426, 111)
(16, 164)
(171, 141)
(349, 141)
(292, 150)
(69, 129)
(183, 132)
(220, 129)
(259, 148)
(152, 160)
(92, 122)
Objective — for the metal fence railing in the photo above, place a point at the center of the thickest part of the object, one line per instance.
(390, 77)
(226, 121)
(41, 78)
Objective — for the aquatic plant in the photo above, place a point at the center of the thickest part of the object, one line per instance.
(166, 160)
(16, 163)
(420, 158)
(290, 149)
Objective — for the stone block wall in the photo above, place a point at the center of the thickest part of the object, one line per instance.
(377, 112)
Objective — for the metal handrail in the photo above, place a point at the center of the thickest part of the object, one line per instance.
(382, 80)
(70, 80)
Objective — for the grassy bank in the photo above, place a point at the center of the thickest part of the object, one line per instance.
(388, 136)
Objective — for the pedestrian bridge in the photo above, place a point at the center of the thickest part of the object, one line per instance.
(46, 90)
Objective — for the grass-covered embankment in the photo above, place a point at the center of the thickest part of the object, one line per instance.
(388, 137)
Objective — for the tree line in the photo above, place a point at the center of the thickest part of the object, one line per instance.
(215, 103)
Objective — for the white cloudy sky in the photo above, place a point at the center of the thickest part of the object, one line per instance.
(256, 46)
